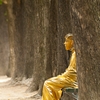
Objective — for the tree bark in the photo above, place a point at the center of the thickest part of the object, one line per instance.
(40, 40)
(4, 42)
(15, 22)
(86, 22)
(28, 27)
(64, 27)
(11, 30)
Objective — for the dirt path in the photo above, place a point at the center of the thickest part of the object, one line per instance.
(10, 91)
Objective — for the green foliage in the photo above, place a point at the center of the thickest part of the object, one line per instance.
(1, 1)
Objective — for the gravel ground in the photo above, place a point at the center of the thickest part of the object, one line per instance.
(16, 91)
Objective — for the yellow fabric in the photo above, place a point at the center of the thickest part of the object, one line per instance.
(52, 87)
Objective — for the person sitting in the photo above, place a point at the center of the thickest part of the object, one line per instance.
(52, 87)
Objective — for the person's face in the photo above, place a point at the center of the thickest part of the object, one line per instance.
(68, 43)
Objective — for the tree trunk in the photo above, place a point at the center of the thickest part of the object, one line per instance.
(15, 22)
(28, 41)
(64, 27)
(52, 40)
(4, 43)
(40, 42)
(11, 29)
(86, 22)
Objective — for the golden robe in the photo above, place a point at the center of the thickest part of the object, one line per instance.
(52, 87)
